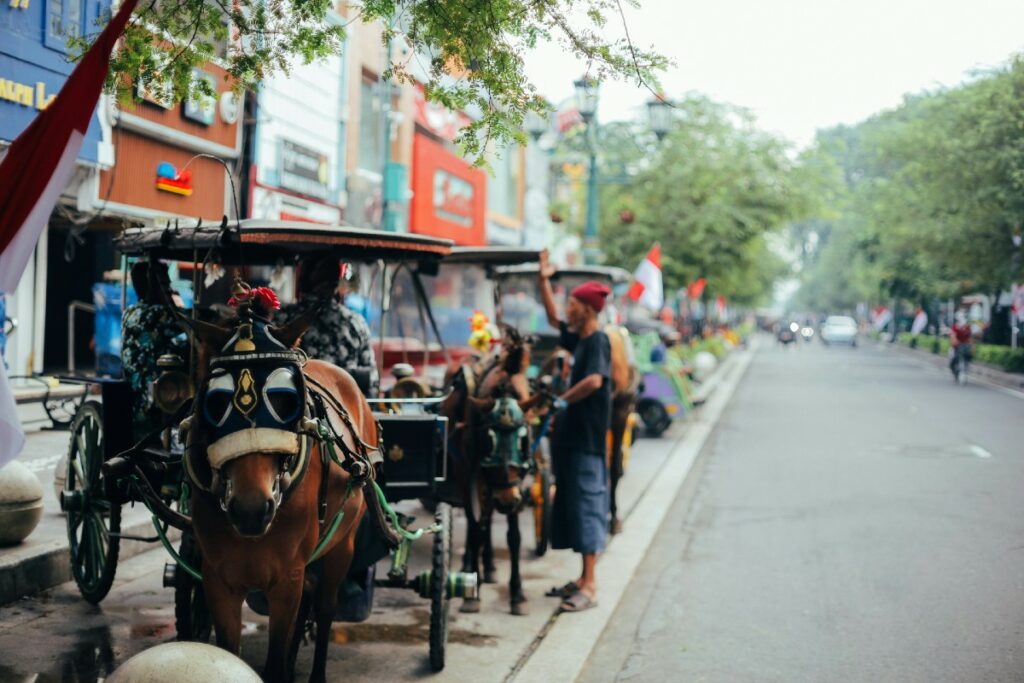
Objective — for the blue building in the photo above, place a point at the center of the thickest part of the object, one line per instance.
(34, 65)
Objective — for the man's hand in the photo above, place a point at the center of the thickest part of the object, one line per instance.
(547, 269)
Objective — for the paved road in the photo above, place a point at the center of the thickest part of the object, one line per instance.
(856, 517)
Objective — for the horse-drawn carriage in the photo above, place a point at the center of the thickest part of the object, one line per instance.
(396, 453)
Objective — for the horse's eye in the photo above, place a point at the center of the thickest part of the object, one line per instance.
(217, 403)
(281, 393)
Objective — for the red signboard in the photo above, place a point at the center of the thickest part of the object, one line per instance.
(449, 195)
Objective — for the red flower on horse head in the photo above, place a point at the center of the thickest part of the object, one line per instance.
(262, 299)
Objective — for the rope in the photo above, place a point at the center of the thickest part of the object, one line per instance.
(393, 516)
(335, 523)
(170, 549)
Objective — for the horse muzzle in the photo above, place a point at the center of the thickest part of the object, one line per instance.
(251, 516)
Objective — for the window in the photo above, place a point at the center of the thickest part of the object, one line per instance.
(503, 186)
(63, 21)
(371, 133)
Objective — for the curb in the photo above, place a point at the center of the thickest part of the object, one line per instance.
(564, 646)
(38, 568)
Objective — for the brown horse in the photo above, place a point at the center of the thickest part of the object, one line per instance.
(488, 482)
(259, 521)
(625, 386)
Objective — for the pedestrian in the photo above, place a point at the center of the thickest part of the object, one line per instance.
(580, 512)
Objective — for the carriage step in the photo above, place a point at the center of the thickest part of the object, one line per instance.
(460, 585)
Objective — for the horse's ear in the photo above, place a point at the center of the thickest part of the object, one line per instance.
(291, 332)
(208, 334)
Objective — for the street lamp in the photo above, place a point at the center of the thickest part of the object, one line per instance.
(535, 125)
(659, 116)
(586, 104)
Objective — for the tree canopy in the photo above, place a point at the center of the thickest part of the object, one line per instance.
(713, 193)
(480, 41)
(928, 199)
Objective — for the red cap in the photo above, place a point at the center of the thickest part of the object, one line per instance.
(592, 294)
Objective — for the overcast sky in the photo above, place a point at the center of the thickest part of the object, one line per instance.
(800, 65)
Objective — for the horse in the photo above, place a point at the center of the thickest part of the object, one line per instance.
(266, 491)
(488, 403)
(625, 387)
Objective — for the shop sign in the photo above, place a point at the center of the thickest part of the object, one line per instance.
(453, 198)
(32, 95)
(202, 108)
(169, 179)
(303, 170)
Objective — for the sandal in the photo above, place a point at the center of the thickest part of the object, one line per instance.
(577, 602)
(565, 591)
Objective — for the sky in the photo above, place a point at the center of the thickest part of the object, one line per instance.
(800, 65)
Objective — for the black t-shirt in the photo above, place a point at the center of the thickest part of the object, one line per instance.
(584, 427)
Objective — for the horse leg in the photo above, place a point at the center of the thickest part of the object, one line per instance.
(515, 584)
(225, 610)
(284, 599)
(620, 420)
(300, 625)
(336, 565)
(471, 560)
(486, 515)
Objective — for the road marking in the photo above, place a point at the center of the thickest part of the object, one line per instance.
(979, 451)
(569, 639)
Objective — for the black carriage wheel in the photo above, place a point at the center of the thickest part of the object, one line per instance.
(655, 417)
(440, 603)
(191, 614)
(91, 516)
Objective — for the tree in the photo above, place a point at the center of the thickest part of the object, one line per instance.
(480, 41)
(711, 193)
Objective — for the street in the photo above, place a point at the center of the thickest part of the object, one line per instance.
(853, 517)
(856, 517)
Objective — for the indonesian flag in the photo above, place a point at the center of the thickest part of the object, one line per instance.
(647, 289)
(696, 289)
(36, 169)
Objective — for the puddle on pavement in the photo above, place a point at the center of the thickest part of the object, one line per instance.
(416, 633)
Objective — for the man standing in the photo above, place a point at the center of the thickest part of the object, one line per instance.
(580, 513)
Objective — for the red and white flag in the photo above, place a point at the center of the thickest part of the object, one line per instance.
(36, 169)
(647, 288)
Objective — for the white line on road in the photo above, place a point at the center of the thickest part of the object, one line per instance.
(979, 451)
(569, 640)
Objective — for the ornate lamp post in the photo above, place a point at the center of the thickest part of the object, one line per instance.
(659, 116)
(586, 104)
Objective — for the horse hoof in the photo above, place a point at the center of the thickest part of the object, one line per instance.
(489, 576)
(470, 606)
(520, 609)
(616, 527)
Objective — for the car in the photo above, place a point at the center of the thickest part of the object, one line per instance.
(839, 329)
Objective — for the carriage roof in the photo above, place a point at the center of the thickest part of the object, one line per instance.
(257, 242)
(611, 274)
(492, 256)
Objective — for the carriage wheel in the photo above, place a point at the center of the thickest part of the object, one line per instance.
(92, 517)
(440, 603)
(542, 509)
(191, 614)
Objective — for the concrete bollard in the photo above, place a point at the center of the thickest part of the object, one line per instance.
(21, 503)
(174, 662)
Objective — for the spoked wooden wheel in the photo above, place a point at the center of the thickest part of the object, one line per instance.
(543, 482)
(440, 602)
(191, 615)
(93, 520)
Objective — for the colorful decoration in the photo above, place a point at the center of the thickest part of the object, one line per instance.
(168, 179)
(263, 299)
(480, 338)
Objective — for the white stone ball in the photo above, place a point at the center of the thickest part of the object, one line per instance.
(704, 363)
(175, 662)
(60, 475)
(21, 503)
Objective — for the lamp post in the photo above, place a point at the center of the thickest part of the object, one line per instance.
(586, 104)
(659, 116)
(535, 126)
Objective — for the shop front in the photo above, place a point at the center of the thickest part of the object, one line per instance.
(449, 195)
(34, 65)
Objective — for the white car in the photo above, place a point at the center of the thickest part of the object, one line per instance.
(839, 329)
